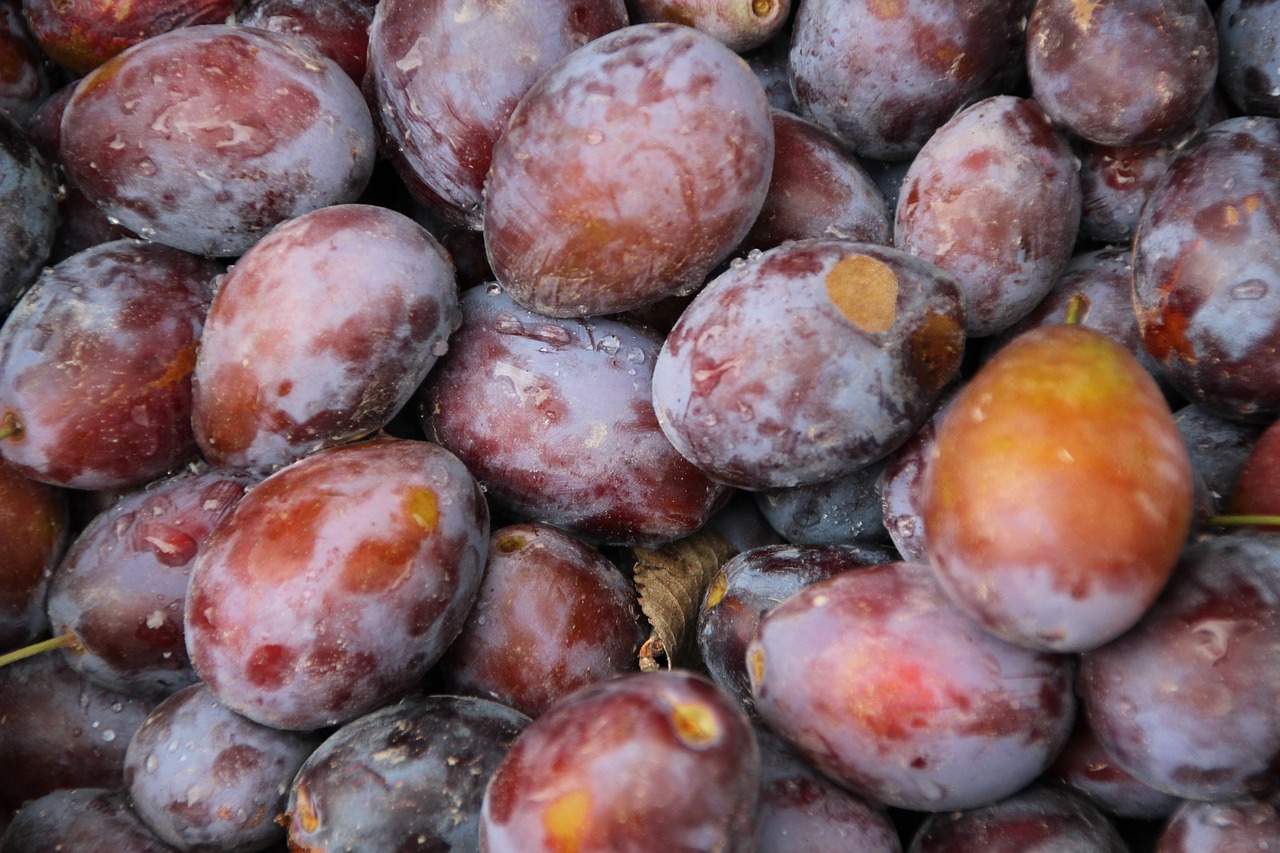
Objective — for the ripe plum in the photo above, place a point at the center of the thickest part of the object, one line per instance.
(612, 767)
(80, 819)
(445, 76)
(319, 334)
(28, 212)
(25, 76)
(807, 362)
(1085, 765)
(818, 188)
(1059, 492)
(82, 35)
(1219, 450)
(121, 588)
(60, 730)
(944, 55)
(554, 417)
(1084, 56)
(337, 28)
(627, 173)
(424, 761)
(739, 24)
(206, 779)
(834, 512)
(1041, 818)
(1257, 491)
(1206, 279)
(802, 811)
(96, 362)
(1243, 825)
(993, 198)
(1249, 46)
(337, 582)
(1186, 701)
(35, 526)
(879, 682)
(552, 615)
(205, 137)
(901, 487)
(751, 584)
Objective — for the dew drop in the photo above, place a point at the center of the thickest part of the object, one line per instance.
(147, 167)
(738, 264)
(152, 763)
(635, 355)
(754, 255)
(609, 344)
(493, 289)
(439, 348)
(108, 735)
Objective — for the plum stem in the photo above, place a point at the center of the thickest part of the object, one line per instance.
(1075, 310)
(62, 641)
(1245, 520)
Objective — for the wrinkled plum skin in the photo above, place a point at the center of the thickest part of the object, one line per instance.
(666, 734)
(380, 301)
(1039, 818)
(818, 188)
(1102, 278)
(337, 28)
(446, 75)
(96, 362)
(750, 585)
(1219, 450)
(945, 55)
(554, 417)
(552, 615)
(206, 779)
(25, 81)
(834, 512)
(627, 173)
(60, 731)
(424, 761)
(121, 588)
(337, 582)
(1201, 672)
(35, 525)
(1059, 491)
(1244, 825)
(807, 363)
(28, 212)
(205, 137)
(1085, 765)
(82, 35)
(875, 679)
(994, 199)
(1257, 491)
(1249, 48)
(739, 26)
(81, 819)
(1206, 276)
(801, 811)
(1082, 60)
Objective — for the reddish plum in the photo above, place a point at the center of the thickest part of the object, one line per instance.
(627, 173)
(878, 681)
(337, 582)
(319, 334)
(35, 526)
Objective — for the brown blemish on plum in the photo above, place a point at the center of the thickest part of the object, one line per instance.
(565, 820)
(232, 422)
(936, 350)
(885, 10)
(1084, 12)
(507, 544)
(865, 291)
(305, 811)
(695, 724)
(422, 507)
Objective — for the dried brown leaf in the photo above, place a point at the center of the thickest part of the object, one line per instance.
(671, 581)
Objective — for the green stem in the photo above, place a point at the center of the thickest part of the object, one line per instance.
(9, 426)
(1076, 307)
(64, 641)
(1245, 520)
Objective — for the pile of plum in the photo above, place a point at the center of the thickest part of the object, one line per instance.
(376, 377)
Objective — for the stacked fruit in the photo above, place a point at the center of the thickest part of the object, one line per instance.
(388, 388)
